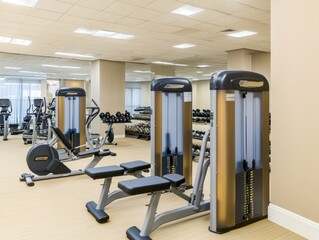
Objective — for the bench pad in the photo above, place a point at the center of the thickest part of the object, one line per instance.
(144, 185)
(88, 153)
(105, 172)
(134, 166)
(175, 179)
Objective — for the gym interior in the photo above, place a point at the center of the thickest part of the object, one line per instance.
(145, 120)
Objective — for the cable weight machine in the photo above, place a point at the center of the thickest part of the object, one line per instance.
(239, 149)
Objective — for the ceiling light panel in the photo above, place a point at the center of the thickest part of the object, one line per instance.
(171, 64)
(5, 39)
(57, 66)
(188, 10)
(13, 68)
(22, 42)
(241, 34)
(26, 3)
(103, 33)
(184, 45)
(73, 55)
(84, 30)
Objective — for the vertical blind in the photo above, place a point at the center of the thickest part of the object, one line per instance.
(18, 90)
(132, 99)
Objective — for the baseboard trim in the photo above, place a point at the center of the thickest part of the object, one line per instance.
(119, 136)
(294, 222)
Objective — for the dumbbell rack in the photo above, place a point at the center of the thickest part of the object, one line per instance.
(201, 116)
(140, 130)
(198, 135)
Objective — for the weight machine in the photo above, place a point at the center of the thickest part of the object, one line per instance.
(5, 112)
(171, 127)
(239, 149)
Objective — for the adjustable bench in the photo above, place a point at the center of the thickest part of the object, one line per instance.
(134, 168)
(156, 185)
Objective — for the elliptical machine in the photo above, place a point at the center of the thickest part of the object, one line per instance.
(37, 124)
(5, 112)
(94, 141)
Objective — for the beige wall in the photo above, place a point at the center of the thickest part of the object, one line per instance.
(108, 90)
(261, 64)
(294, 103)
(201, 94)
(145, 98)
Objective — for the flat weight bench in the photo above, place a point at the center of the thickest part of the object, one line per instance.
(155, 185)
(134, 168)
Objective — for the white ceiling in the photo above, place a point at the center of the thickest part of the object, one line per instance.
(50, 25)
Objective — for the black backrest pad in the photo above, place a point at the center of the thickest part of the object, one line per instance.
(144, 185)
(62, 137)
(104, 172)
(134, 166)
(175, 179)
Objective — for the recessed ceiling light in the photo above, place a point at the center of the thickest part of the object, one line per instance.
(184, 45)
(14, 68)
(241, 34)
(5, 39)
(57, 66)
(203, 65)
(27, 3)
(122, 36)
(141, 71)
(15, 41)
(73, 55)
(21, 42)
(169, 63)
(32, 72)
(188, 10)
(103, 33)
(79, 74)
(108, 34)
(84, 30)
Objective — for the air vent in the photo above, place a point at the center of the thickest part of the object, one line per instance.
(228, 30)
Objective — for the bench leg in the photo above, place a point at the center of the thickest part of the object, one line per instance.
(133, 232)
(94, 162)
(97, 210)
(104, 193)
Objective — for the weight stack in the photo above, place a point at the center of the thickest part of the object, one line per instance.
(239, 149)
(70, 115)
(171, 127)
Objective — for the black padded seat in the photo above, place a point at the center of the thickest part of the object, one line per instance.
(103, 153)
(134, 166)
(144, 185)
(175, 179)
(88, 153)
(105, 172)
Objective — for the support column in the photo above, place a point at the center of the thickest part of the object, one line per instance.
(250, 60)
(108, 90)
(239, 59)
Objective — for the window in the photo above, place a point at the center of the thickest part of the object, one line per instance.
(18, 91)
(132, 99)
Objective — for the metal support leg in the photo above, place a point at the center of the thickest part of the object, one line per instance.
(150, 215)
(104, 194)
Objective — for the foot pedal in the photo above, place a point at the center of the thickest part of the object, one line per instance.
(28, 178)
